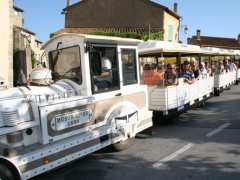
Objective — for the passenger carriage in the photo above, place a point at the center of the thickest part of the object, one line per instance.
(168, 100)
(237, 60)
(222, 80)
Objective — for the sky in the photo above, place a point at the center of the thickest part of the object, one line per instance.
(213, 17)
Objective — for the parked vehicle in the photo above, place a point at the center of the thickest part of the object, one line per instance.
(90, 97)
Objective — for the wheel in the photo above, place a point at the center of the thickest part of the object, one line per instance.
(8, 173)
(122, 145)
(155, 118)
(217, 92)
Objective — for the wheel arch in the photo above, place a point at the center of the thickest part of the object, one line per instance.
(112, 113)
(16, 171)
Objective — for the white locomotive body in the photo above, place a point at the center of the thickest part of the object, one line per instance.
(90, 105)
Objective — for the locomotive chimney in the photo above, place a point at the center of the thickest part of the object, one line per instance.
(175, 7)
(198, 34)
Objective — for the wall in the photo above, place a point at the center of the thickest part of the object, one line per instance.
(17, 18)
(114, 13)
(170, 20)
(6, 45)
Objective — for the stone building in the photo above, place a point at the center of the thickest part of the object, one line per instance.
(18, 45)
(6, 45)
(27, 49)
(217, 42)
(140, 16)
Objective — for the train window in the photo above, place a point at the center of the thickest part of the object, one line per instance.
(129, 66)
(104, 68)
(66, 64)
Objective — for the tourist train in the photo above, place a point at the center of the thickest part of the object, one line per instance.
(96, 91)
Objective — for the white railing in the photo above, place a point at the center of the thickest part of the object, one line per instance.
(225, 79)
(176, 97)
(238, 74)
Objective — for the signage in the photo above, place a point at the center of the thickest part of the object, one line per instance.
(70, 119)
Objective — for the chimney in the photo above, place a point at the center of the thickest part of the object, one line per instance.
(238, 39)
(69, 3)
(175, 7)
(198, 34)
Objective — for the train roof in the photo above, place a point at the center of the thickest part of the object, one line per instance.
(96, 39)
(157, 48)
(154, 47)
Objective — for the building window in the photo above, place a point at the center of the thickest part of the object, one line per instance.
(66, 64)
(104, 68)
(129, 66)
(170, 32)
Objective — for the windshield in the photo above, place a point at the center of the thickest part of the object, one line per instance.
(66, 64)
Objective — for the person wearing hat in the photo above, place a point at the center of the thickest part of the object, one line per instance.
(104, 80)
(187, 73)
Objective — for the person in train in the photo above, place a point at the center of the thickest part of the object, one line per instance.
(152, 75)
(195, 69)
(187, 73)
(209, 69)
(232, 66)
(203, 70)
(170, 76)
(226, 65)
(220, 68)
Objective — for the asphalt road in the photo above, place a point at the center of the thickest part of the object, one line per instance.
(203, 144)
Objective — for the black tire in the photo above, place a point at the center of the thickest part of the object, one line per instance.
(122, 145)
(217, 93)
(8, 173)
(155, 118)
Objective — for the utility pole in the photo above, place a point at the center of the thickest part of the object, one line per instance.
(149, 31)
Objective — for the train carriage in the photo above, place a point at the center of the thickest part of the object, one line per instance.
(167, 100)
(222, 80)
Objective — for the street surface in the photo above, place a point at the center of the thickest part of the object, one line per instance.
(203, 144)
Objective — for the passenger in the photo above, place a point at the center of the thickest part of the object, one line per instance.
(203, 70)
(226, 65)
(220, 68)
(187, 73)
(170, 76)
(195, 69)
(209, 69)
(232, 66)
(152, 76)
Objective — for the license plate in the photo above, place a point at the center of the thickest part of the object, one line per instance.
(70, 119)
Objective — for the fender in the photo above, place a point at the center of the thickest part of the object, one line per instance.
(120, 109)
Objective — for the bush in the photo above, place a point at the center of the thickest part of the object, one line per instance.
(119, 34)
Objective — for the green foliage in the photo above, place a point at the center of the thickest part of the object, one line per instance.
(118, 34)
(34, 62)
(134, 35)
(153, 36)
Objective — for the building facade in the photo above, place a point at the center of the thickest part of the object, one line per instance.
(6, 45)
(27, 49)
(215, 42)
(139, 16)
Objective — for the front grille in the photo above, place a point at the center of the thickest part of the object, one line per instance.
(10, 118)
